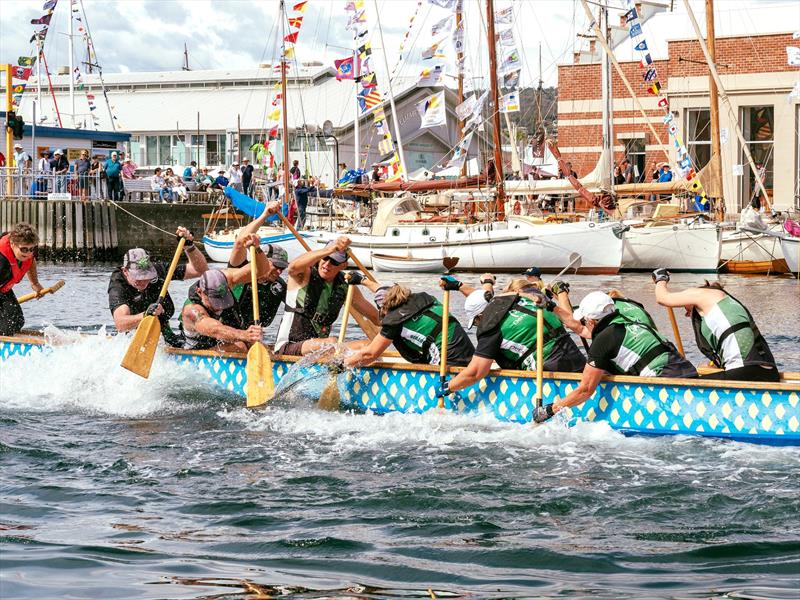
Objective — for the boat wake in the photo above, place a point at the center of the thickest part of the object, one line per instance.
(80, 372)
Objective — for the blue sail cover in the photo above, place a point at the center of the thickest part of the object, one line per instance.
(249, 206)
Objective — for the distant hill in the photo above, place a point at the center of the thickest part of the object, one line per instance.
(528, 117)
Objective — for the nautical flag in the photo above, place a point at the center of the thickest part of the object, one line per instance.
(288, 52)
(510, 102)
(292, 37)
(654, 89)
(641, 46)
(511, 62)
(385, 146)
(22, 73)
(650, 74)
(274, 115)
(369, 81)
(686, 163)
(432, 52)
(300, 6)
(458, 39)
(668, 117)
(26, 61)
(475, 119)
(646, 60)
(465, 109)
(296, 22)
(460, 151)
(40, 35)
(636, 30)
(630, 15)
(505, 16)
(45, 20)
(364, 50)
(368, 98)
(672, 128)
(443, 3)
(511, 80)
(505, 37)
(431, 77)
(663, 103)
(49, 5)
(432, 111)
(442, 26)
(344, 68)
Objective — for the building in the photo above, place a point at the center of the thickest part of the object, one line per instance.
(215, 117)
(751, 41)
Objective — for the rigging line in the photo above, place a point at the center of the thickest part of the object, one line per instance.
(97, 62)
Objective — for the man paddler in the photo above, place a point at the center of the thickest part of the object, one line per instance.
(271, 288)
(315, 295)
(17, 259)
(210, 317)
(724, 330)
(412, 321)
(507, 335)
(620, 346)
(134, 287)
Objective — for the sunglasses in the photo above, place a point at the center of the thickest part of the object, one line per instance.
(26, 249)
(333, 261)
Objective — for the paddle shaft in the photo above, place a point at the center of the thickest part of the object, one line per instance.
(348, 303)
(445, 336)
(48, 290)
(254, 285)
(564, 270)
(172, 266)
(675, 331)
(539, 354)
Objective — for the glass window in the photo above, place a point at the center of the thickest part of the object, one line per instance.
(164, 154)
(698, 136)
(758, 126)
(634, 151)
(151, 150)
(178, 150)
(215, 149)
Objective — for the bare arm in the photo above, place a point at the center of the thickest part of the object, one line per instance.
(241, 274)
(300, 267)
(590, 379)
(368, 354)
(477, 369)
(197, 263)
(124, 320)
(365, 307)
(239, 252)
(203, 324)
(692, 296)
(33, 277)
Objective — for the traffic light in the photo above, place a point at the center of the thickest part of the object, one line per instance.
(17, 124)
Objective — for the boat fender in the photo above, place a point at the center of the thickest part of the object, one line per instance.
(497, 310)
(415, 305)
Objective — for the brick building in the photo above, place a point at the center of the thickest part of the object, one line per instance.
(752, 61)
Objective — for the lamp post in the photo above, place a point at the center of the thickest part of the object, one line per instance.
(327, 132)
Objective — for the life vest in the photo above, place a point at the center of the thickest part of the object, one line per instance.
(729, 337)
(515, 316)
(17, 270)
(316, 306)
(634, 311)
(197, 341)
(270, 297)
(420, 319)
(644, 351)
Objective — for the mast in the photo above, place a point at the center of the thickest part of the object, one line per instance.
(498, 149)
(713, 98)
(395, 121)
(71, 69)
(285, 105)
(607, 94)
(459, 58)
(539, 93)
(185, 58)
(356, 140)
(39, 73)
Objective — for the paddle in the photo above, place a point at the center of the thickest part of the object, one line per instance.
(329, 398)
(445, 332)
(260, 386)
(139, 357)
(366, 325)
(573, 258)
(675, 331)
(539, 354)
(48, 290)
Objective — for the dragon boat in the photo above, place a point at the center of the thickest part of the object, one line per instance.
(764, 413)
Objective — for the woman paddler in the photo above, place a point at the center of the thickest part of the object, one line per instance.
(412, 321)
(17, 259)
(724, 330)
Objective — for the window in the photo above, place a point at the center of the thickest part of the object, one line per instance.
(197, 149)
(758, 126)
(215, 149)
(151, 150)
(634, 151)
(698, 136)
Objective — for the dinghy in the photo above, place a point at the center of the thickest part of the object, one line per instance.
(409, 264)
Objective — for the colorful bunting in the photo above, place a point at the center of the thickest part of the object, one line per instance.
(44, 20)
(432, 111)
(635, 31)
(431, 77)
(505, 16)
(291, 38)
(345, 68)
(630, 15)
(510, 102)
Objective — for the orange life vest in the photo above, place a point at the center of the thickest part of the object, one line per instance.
(17, 271)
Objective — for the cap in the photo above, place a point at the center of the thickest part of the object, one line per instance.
(57, 152)
(380, 295)
(277, 255)
(139, 265)
(533, 272)
(215, 285)
(474, 306)
(127, 159)
(17, 145)
(245, 159)
(595, 305)
(221, 171)
(338, 256)
(235, 164)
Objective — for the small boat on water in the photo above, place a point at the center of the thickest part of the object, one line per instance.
(765, 413)
(791, 253)
(409, 264)
(748, 251)
(219, 245)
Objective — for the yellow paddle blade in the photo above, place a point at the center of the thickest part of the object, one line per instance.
(330, 399)
(260, 385)
(139, 357)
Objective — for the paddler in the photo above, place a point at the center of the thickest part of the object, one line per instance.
(724, 330)
(627, 307)
(620, 346)
(271, 288)
(210, 317)
(507, 335)
(134, 288)
(17, 259)
(315, 295)
(413, 323)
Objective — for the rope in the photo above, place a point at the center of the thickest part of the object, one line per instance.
(138, 218)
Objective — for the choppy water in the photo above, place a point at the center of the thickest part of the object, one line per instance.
(116, 487)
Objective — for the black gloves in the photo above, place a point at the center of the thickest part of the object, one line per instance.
(559, 286)
(543, 413)
(451, 284)
(660, 274)
(151, 310)
(355, 278)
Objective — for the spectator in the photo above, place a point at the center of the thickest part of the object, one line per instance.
(665, 175)
(96, 173)
(2, 160)
(129, 169)
(60, 167)
(82, 166)
(204, 181)
(294, 172)
(247, 177)
(113, 171)
(627, 171)
(175, 185)
(301, 193)
(190, 172)
(619, 178)
(159, 184)
(376, 173)
(43, 184)
(235, 176)
(342, 170)
(21, 158)
(221, 182)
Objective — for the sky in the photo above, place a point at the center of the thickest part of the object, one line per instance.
(149, 35)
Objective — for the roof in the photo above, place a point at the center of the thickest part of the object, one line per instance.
(78, 134)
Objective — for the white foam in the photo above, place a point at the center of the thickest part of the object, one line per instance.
(83, 372)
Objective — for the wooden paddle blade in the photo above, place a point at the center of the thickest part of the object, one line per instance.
(330, 399)
(139, 357)
(260, 387)
(450, 262)
(57, 286)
